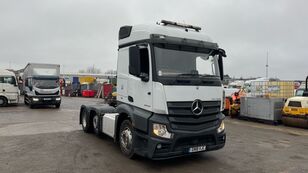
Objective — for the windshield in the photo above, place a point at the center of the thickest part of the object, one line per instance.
(299, 92)
(45, 83)
(178, 60)
(8, 80)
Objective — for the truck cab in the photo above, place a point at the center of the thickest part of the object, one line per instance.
(41, 84)
(169, 93)
(9, 92)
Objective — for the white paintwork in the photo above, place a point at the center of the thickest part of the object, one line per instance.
(109, 124)
(190, 93)
(140, 32)
(122, 75)
(35, 69)
(9, 91)
(159, 99)
(303, 100)
(129, 85)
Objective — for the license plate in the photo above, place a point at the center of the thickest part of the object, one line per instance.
(47, 99)
(197, 149)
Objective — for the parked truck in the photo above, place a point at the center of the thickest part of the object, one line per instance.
(41, 84)
(9, 92)
(169, 93)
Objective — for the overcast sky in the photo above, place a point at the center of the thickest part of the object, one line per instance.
(80, 33)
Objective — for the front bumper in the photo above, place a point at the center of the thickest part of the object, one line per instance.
(45, 100)
(146, 144)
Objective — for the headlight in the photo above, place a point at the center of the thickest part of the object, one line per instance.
(221, 128)
(161, 131)
(58, 98)
(35, 99)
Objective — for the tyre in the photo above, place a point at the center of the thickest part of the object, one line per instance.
(3, 101)
(25, 101)
(127, 139)
(96, 125)
(58, 105)
(85, 122)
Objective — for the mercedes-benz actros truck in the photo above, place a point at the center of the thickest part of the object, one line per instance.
(41, 84)
(169, 93)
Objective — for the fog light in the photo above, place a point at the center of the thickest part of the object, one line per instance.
(158, 146)
(161, 131)
(35, 99)
(58, 98)
(221, 128)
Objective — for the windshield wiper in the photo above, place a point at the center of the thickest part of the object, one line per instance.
(188, 74)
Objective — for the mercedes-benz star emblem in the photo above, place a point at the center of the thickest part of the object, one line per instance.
(196, 107)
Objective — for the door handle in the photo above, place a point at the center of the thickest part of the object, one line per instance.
(130, 99)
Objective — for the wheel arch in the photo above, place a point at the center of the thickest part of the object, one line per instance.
(125, 112)
(5, 98)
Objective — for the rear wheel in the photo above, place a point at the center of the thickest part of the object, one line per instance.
(96, 125)
(85, 121)
(126, 139)
(3, 101)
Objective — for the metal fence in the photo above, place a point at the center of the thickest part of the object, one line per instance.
(272, 89)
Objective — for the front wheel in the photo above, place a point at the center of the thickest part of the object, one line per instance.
(127, 139)
(58, 105)
(3, 102)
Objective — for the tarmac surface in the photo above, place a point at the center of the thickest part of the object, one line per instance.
(47, 139)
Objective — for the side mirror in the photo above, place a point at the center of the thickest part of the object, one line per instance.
(221, 67)
(144, 77)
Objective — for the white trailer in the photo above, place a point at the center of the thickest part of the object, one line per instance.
(169, 93)
(41, 84)
(9, 92)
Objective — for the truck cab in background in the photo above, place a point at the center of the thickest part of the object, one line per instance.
(41, 84)
(169, 93)
(9, 92)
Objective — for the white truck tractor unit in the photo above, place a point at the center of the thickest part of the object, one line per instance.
(9, 92)
(169, 93)
(41, 84)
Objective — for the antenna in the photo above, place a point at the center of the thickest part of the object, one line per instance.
(267, 66)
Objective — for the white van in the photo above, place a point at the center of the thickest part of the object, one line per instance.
(9, 92)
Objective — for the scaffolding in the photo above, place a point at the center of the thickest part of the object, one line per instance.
(272, 89)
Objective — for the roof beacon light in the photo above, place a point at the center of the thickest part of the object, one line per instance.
(166, 22)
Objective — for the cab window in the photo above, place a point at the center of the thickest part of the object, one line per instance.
(8, 80)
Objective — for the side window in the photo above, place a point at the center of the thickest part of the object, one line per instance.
(144, 61)
(1, 79)
(28, 82)
(138, 61)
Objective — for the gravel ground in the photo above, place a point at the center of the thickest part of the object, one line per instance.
(50, 140)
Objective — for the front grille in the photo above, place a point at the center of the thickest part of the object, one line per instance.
(184, 108)
(182, 118)
(49, 94)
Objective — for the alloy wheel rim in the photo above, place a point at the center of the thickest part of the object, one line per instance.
(95, 119)
(84, 122)
(126, 139)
